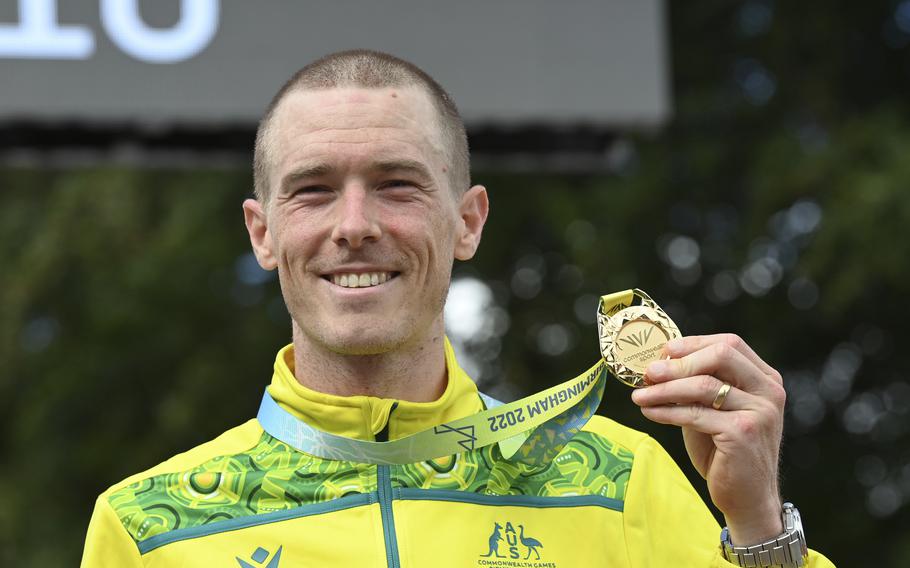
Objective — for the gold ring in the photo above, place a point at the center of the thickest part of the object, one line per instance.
(721, 396)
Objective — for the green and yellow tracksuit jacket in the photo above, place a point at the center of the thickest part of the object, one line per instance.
(611, 497)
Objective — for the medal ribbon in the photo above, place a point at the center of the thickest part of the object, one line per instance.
(530, 430)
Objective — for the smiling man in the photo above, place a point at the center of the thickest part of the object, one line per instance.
(363, 202)
(362, 220)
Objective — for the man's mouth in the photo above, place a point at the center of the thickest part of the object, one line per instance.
(361, 279)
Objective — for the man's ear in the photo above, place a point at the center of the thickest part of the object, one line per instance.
(260, 236)
(473, 211)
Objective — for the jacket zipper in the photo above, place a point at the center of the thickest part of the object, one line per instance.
(384, 479)
(384, 489)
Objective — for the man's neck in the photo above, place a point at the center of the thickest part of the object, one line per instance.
(414, 373)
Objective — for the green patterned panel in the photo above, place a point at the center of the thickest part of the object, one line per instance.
(469, 471)
(272, 476)
(587, 464)
(269, 477)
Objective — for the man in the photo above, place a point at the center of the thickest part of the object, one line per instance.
(363, 202)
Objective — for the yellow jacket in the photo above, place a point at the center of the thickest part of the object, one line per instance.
(611, 497)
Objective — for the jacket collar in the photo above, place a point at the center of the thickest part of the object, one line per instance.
(362, 417)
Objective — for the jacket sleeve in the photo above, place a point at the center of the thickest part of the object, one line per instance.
(107, 543)
(666, 521)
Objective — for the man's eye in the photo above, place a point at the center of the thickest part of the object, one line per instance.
(395, 183)
(312, 189)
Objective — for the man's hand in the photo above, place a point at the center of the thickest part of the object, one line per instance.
(735, 448)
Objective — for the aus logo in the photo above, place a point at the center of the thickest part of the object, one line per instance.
(509, 540)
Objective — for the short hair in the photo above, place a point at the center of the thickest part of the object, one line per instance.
(371, 70)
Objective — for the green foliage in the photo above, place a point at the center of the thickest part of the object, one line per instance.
(122, 318)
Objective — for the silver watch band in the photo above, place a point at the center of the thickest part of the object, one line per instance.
(788, 550)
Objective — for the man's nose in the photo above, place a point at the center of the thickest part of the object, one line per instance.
(356, 222)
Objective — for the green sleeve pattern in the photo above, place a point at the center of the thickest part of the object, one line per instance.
(269, 477)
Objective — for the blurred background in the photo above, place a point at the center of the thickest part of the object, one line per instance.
(744, 162)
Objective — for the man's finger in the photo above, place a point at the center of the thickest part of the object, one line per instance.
(695, 416)
(685, 345)
(702, 389)
(718, 360)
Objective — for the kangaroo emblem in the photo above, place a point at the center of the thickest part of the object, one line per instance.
(494, 542)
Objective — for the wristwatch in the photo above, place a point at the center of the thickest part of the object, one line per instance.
(789, 550)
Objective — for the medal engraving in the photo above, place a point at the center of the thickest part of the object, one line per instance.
(638, 343)
(632, 336)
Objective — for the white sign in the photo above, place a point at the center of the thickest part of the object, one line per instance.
(39, 35)
(218, 62)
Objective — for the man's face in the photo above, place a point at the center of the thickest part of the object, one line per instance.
(361, 222)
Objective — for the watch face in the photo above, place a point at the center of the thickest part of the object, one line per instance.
(793, 522)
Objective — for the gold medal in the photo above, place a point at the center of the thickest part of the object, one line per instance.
(633, 332)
